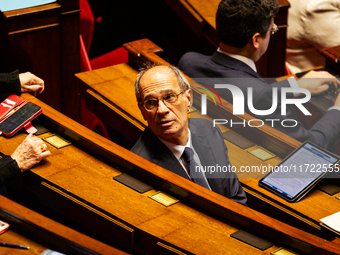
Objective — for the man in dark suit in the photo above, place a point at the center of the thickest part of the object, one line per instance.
(244, 28)
(164, 97)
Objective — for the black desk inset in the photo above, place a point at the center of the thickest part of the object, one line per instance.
(132, 183)
(252, 240)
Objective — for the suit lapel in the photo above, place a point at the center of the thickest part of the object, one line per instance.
(162, 155)
(201, 145)
(204, 149)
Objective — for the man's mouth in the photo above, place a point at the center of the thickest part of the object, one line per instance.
(165, 123)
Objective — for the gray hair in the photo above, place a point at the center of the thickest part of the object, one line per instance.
(183, 82)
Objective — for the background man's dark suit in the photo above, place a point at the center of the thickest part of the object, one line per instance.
(324, 133)
(210, 147)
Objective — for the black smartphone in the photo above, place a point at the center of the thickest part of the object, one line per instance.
(18, 118)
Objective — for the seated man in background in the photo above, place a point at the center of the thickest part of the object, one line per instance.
(176, 143)
(244, 28)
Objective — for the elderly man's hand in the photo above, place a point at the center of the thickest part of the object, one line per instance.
(31, 83)
(30, 152)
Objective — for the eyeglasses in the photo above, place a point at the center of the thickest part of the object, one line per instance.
(274, 29)
(168, 100)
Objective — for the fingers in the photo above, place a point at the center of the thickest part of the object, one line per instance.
(45, 154)
(323, 88)
(32, 88)
(31, 83)
(336, 82)
(42, 151)
(43, 147)
(29, 136)
(332, 82)
(40, 145)
(319, 81)
(42, 86)
(33, 140)
(30, 152)
(30, 79)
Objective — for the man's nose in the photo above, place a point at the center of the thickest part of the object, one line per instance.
(162, 108)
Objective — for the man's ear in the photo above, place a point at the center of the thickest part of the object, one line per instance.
(188, 95)
(255, 40)
(141, 108)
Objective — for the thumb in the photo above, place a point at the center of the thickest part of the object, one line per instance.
(29, 136)
(30, 88)
(323, 88)
(45, 154)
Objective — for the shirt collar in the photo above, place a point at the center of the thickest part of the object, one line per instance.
(244, 59)
(176, 149)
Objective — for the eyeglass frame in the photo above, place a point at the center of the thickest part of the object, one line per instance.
(274, 29)
(150, 110)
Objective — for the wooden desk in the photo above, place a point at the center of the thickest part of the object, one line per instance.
(110, 84)
(120, 112)
(200, 18)
(77, 181)
(50, 35)
(31, 229)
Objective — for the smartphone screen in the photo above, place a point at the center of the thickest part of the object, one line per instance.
(19, 117)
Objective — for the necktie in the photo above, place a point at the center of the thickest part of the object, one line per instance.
(193, 168)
